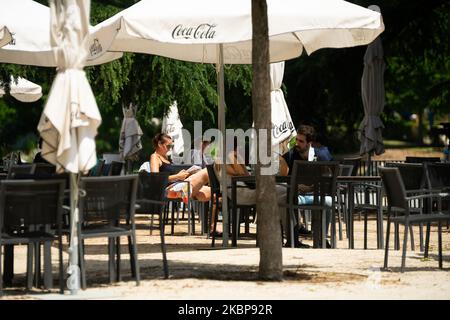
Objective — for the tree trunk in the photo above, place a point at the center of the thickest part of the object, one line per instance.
(269, 230)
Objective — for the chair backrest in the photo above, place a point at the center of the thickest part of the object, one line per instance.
(422, 159)
(19, 169)
(214, 182)
(413, 175)
(97, 171)
(116, 168)
(355, 161)
(43, 169)
(315, 177)
(437, 175)
(394, 188)
(108, 199)
(26, 203)
(345, 169)
(151, 191)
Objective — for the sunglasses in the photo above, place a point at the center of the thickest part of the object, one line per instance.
(169, 146)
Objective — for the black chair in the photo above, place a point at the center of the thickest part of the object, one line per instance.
(31, 214)
(107, 210)
(421, 159)
(42, 169)
(97, 170)
(413, 177)
(355, 162)
(399, 211)
(318, 179)
(116, 168)
(19, 170)
(215, 203)
(342, 196)
(151, 199)
(438, 180)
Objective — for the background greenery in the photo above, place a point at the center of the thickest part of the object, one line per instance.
(322, 89)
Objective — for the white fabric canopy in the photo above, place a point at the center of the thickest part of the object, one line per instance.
(172, 126)
(28, 22)
(23, 90)
(5, 35)
(165, 27)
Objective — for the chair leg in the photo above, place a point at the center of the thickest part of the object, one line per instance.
(172, 226)
(37, 265)
(111, 266)
(421, 237)
(396, 236)
(405, 243)
(163, 249)
(30, 254)
(117, 255)
(1, 271)
(412, 237)
(440, 244)
(82, 264)
(151, 223)
(48, 276)
(386, 248)
(427, 240)
(365, 229)
(61, 266)
(134, 262)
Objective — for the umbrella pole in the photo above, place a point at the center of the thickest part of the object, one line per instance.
(221, 120)
(73, 282)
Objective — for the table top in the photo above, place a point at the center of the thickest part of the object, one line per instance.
(358, 178)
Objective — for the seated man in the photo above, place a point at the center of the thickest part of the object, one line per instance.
(304, 150)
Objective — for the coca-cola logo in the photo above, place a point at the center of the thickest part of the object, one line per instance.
(279, 130)
(202, 31)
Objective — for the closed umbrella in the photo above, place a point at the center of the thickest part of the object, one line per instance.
(283, 128)
(23, 90)
(209, 31)
(130, 135)
(28, 23)
(172, 126)
(70, 119)
(5, 35)
(372, 92)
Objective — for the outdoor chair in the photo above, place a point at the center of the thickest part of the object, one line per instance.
(31, 214)
(97, 170)
(18, 170)
(413, 177)
(107, 209)
(409, 159)
(215, 201)
(318, 179)
(438, 180)
(399, 211)
(151, 199)
(342, 196)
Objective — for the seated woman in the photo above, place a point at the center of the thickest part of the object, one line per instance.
(159, 162)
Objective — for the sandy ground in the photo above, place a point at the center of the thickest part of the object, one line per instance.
(199, 272)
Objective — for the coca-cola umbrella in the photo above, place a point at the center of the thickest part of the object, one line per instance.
(219, 32)
(27, 38)
(23, 90)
